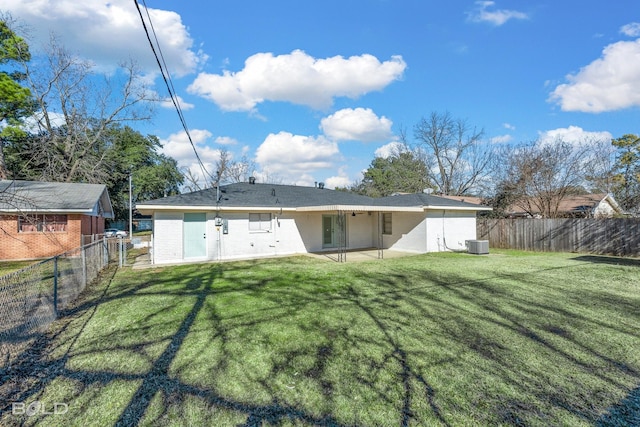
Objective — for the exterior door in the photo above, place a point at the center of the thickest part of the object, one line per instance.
(328, 231)
(333, 231)
(195, 235)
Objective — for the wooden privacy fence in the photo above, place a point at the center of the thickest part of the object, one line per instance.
(612, 236)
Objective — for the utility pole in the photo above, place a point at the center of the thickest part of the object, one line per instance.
(130, 208)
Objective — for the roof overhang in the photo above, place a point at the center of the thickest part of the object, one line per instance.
(358, 208)
(50, 211)
(148, 209)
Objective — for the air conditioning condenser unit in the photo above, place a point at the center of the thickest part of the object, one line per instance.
(478, 247)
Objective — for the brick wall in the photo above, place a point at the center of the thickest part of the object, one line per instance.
(32, 245)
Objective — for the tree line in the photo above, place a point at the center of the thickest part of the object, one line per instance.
(61, 121)
(448, 156)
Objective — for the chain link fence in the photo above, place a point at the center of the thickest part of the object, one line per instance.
(31, 298)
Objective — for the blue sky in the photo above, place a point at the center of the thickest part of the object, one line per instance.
(312, 91)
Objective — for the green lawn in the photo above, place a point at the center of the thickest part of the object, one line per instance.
(7, 267)
(511, 338)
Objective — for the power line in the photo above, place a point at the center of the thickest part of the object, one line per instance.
(166, 76)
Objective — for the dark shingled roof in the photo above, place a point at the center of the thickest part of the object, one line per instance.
(422, 199)
(291, 196)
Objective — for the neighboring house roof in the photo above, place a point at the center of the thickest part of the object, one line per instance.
(54, 197)
(600, 204)
(246, 196)
(467, 199)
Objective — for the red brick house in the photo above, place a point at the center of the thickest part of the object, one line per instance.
(43, 219)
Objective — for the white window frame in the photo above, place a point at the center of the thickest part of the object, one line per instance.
(259, 222)
(48, 223)
(387, 224)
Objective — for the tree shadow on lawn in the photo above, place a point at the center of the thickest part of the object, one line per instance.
(624, 413)
(611, 260)
(407, 347)
(40, 370)
(475, 320)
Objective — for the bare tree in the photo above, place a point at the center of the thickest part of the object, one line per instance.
(240, 171)
(76, 108)
(600, 169)
(457, 159)
(538, 176)
(192, 180)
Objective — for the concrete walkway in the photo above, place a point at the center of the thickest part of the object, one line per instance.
(359, 255)
(144, 261)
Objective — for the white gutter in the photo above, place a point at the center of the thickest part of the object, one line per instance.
(459, 208)
(323, 208)
(359, 208)
(150, 208)
(37, 210)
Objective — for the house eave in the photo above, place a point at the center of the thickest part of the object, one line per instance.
(52, 211)
(359, 208)
(148, 209)
(458, 208)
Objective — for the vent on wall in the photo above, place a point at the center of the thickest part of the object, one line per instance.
(478, 247)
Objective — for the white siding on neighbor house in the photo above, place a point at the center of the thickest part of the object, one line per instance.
(604, 210)
(448, 230)
(167, 237)
(408, 232)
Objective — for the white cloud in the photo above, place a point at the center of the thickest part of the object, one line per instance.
(609, 83)
(358, 124)
(389, 149)
(108, 32)
(292, 157)
(495, 17)
(573, 135)
(501, 139)
(631, 30)
(340, 180)
(226, 140)
(508, 126)
(168, 103)
(297, 78)
(178, 146)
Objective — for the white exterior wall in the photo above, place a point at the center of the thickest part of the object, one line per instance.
(167, 237)
(359, 230)
(282, 239)
(448, 230)
(309, 226)
(604, 210)
(409, 232)
(293, 233)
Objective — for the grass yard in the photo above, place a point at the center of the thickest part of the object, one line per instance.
(447, 339)
(7, 267)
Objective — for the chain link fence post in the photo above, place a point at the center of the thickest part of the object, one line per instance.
(55, 285)
(83, 257)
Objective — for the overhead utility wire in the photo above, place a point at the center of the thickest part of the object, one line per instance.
(168, 82)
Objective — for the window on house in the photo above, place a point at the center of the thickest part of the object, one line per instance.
(259, 221)
(386, 223)
(40, 223)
